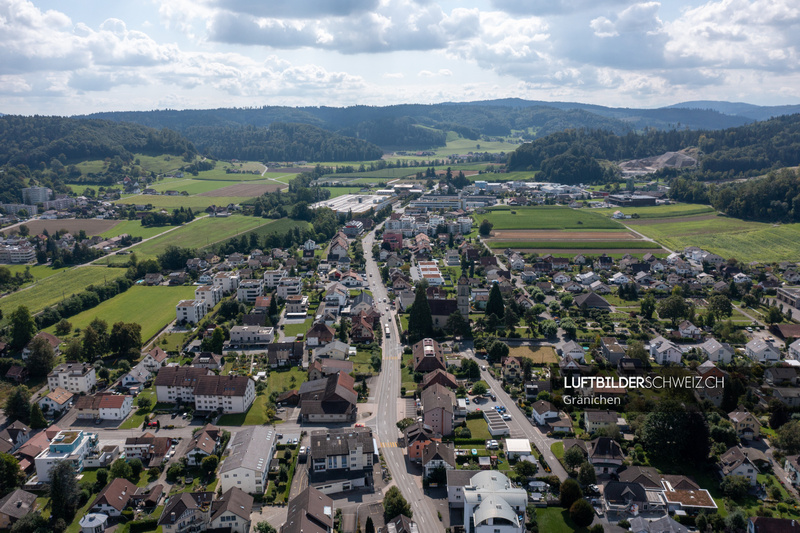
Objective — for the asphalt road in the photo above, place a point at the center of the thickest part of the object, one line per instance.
(388, 395)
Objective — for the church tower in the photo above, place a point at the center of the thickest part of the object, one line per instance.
(463, 297)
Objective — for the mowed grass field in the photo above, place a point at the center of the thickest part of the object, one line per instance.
(197, 203)
(151, 307)
(52, 289)
(575, 245)
(660, 211)
(728, 237)
(92, 226)
(37, 271)
(133, 228)
(341, 191)
(545, 217)
(199, 233)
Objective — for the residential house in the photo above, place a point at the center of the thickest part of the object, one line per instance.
(416, 437)
(335, 349)
(285, 353)
(331, 399)
(611, 349)
(438, 408)
(56, 401)
(224, 394)
(621, 497)
(437, 455)
(251, 336)
(297, 306)
(361, 330)
(72, 446)
(137, 377)
(114, 497)
(175, 384)
(205, 442)
(595, 419)
(319, 334)
(73, 376)
(321, 368)
(764, 524)
(209, 360)
(789, 396)
(428, 356)
(191, 311)
(441, 377)
(574, 350)
(310, 511)
(717, 352)
(762, 351)
(52, 340)
(543, 412)
(794, 350)
(591, 300)
(154, 359)
(231, 511)
(512, 368)
(247, 464)
(15, 505)
(14, 436)
(665, 352)
(687, 330)
(489, 499)
(746, 425)
(341, 459)
(735, 463)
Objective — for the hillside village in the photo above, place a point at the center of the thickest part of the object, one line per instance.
(273, 407)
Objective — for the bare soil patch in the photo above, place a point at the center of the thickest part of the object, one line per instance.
(560, 235)
(539, 355)
(92, 226)
(560, 252)
(249, 190)
(668, 220)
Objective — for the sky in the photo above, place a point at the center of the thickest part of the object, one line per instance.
(84, 56)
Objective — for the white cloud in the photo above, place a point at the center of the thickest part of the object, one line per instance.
(552, 7)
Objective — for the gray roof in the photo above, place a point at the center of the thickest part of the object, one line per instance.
(340, 441)
(236, 501)
(250, 448)
(17, 504)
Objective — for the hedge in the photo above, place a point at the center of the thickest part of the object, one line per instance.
(148, 524)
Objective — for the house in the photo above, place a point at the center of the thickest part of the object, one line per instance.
(735, 463)
(114, 497)
(438, 409)
(792, 467)
(224, 394)
(687, 330)
(780, 376)
(56, 400)
(416, 437)
(603, 453)
(72, 376)
(247, 464)
(543, 412)
(310, 511)
(153, 279)
(191, 311)
(319, 334)
(746, 425)
(717, 352)
(361, 330)
(428, 356)
(789, 396)
(321, 368)
(137, 377)
(175, 384)
(17, 374)
(284, 353)
(561, 278)
(611, 349)
(205, 442)
(574, 350)
(794, 350)
(330, 399)
(591, 300)
(186, 513)
(512, 368)
(489, 499)
(103, 406)
(14, 506)
(154, 359)
(665, 352)
(621, 497)
(341, 459)
(437, 455)
(251, 336)
(231, 511)
(595, 419)
(14, 436)
(52, 340)
(67, 445)
(440, 377)
(208, 360)
(401, 524)
(335, 349)
(762, 351)
(763, 524)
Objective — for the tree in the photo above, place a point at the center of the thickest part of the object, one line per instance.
(787, 437)
(648, 306)
(23, 327)
(11, 476)
(42, 358)
(73, 351)
(37, 418)
(774, 315)
(121, 468)
(31, 523)
(569, 326)
(549, 328)
(369, 527)
(456, 325)
(485, 228)
(525, 469)
(210, 464)
(125, 338)
(144, 403)
(136, 469)
(420, 320)
(720, 306)
(64, 491)
(230, 308)
(497, 351)
(395, 504)
(102, 479)
(479, 389)
(570, 493)
(495, 305)
(581, 513)
(63, 327)
(573, 458)
(93, 343)
(676, 433)
(735, 487)
(587, 475)
(265, 527)
(217, 340)
(18, 405)
(673, 308)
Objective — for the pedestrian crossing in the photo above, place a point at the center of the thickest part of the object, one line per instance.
(387, 444)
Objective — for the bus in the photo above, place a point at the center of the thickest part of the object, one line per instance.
(386, 330)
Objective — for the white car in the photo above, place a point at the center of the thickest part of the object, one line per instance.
(506, 416)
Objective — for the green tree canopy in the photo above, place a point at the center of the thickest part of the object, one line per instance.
(395, 504)
(420, 320)
(495, 305)
(23, 327)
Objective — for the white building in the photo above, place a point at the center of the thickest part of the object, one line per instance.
(762, 351)
(226, 394)
(249, 290)
(191, 311)
(665, 352)
(176, 384)
(273, 277)
(211, 294)
(227, 281)
(72, 376)
(68, 445)
(251, 335)
(717, 352)
(490, 503)
(247, 465)
(289, 287)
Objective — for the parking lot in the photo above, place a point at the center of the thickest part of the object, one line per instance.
(480, 403)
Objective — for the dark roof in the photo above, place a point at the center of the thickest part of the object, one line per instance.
(17, 504)
(221, 386)
(647, 476)
(340, 441)
(292, 350)
(179, 503)
(428, 356)
(179, 376)
(441, 377)
(438, 450)
(619, 492)
(605, 448)
(311, 511)
(234, 500)
(419, 431)
(762, 524)
(207, 358)
(205, 440)
(402, 524)
(438, 397)
(591, 299)
(441, 307)
(116, 494)
(333, 394)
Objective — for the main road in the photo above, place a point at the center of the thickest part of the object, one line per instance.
(388, 394)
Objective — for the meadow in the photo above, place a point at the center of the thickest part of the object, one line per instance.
(151, 307)
(545, 217)
(189, 185)
(38, 272)
(575, 245)
(660, 211)
(159, 164)
(197, 203)
(341, 191)
(53, 289)
(133, 228)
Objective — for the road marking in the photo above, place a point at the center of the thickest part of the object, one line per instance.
(388, 445)
(391, 358)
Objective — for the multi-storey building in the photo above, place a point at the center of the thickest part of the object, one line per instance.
(72, 376)
(68, 445)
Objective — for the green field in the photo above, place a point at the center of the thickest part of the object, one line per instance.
(158, 164)
(556, 520)
(575, 245)
(341, 191)
(37, 271)
(200, 233)
(151, 307)
(51, 290)
(547, 218)
(134, 228)
(190, 186)
(375, 175)
(661, 211)
(728, 237)
(197, 203)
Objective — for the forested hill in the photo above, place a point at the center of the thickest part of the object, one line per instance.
(417, 126)
(280, 142)
(731, 153)
(35, 140)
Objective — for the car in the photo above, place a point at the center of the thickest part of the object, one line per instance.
(748, 328)
(303, 450)
(98, 421)
(466, 400)
(174, 415)
(294, 441)
(184, 415)
(279, 436)
(483, 367)
(175, 441)
(506, 416)
(359, 425)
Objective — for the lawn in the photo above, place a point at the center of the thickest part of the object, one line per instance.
(479, 428)
(199, 233)
(556, 520)
(341, 191)
(361, 361)
(282, 380)
(576, 245)
(543, 217)
(558, 449)
(292, 330)
(539, 355)
(137, 416)
(407, 374)
(661, 211)
(255, 416)
(51, 290)
(38, 272)
(134, 228)
(197, 203)
(189, 185)
(151, 307)
(728, 237)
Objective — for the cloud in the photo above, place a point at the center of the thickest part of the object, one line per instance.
(393, 75)
(552, 7)
(441, 72)
(297, 9)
